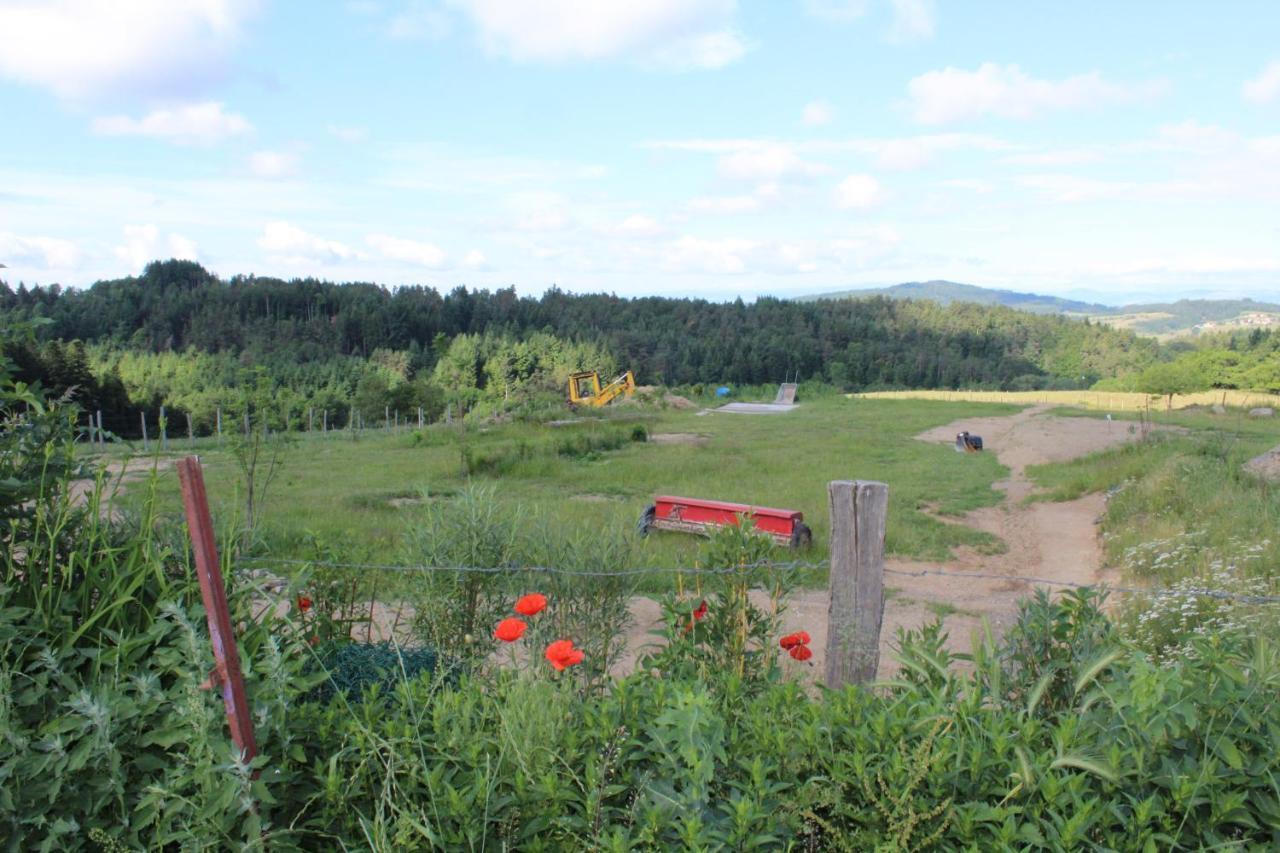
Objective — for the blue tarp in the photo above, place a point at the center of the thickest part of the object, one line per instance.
(722, 391)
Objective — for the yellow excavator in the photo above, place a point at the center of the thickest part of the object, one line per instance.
(585, 389)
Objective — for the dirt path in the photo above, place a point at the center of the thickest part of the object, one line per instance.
(119, 475)
(1053, 541)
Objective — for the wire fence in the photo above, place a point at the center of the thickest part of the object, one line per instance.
(787, 566)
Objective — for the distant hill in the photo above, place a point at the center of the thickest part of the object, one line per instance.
(946, 292)
(1194, 316)
(1163, 320)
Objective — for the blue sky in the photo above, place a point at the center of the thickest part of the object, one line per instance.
(677, 147)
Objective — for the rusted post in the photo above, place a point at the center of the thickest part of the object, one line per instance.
(858, 512)
(226, 674)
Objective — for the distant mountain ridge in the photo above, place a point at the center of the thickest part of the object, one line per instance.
(1164, 319)
(946, 292)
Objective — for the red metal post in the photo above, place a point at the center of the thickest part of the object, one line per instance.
(226, 671)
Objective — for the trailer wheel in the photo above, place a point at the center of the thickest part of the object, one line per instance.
(645, 524)
(801, 537)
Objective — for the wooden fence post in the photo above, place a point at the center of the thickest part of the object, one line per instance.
(164, 431)
(226, 674)
(858, 512)
(324, 421)
(419, 417)
(102, 438)
(311, 419)
(219, 425)
(386, 417)
(143, 416)
(191, 433)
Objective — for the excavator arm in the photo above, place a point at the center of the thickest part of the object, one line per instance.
(584, 388)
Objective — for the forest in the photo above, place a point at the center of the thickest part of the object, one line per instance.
(180, 336)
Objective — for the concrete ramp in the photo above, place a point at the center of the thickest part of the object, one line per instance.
(786, 394)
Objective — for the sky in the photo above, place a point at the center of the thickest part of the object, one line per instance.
(706, 148)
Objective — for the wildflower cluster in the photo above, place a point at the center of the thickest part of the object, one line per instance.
(1171, 620)
(561, 654)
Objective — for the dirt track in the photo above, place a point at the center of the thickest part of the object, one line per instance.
(1053, 541)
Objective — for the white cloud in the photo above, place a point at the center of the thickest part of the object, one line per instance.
(913, 20)
(291, 243)
(540, 211)
(718, 257)
(348, 134)
(1058, 157)
(817, 113)
(80, 48)
(143, 244)
(767, 161)
(1266, 86)
(725, 204)
(859, 191)
(915, 152)
(975, 185)
(639, 226)
(273, 164)
(841, 11)
(953, 94)
(420, 21)
(48, 253)
(707, 51)
(408, 251)
(475, 260)
(192, 124)
(678, 33)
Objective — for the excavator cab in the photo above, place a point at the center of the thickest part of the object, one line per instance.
(585, 388)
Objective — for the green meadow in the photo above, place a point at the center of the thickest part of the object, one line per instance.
(358, 492)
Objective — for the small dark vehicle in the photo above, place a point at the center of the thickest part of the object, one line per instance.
(966, 443)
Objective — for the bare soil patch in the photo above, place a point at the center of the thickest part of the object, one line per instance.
(1265, 465)
(678, 438)
(675, 401)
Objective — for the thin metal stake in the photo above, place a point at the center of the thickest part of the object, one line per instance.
(226, 673)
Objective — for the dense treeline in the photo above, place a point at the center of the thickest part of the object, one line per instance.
(178, 306)
(1247, 361)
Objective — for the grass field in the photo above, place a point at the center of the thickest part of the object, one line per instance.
(1113, 401)
(358, 495)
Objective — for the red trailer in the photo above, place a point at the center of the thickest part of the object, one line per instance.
(696, 515)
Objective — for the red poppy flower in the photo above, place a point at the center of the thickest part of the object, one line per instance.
(698, 615)
(531, 604)
(562, 654)
(304, 603)
(801, 652)
(509, 630)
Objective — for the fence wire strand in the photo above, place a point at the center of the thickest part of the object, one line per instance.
(792, 565)
(515, 568)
